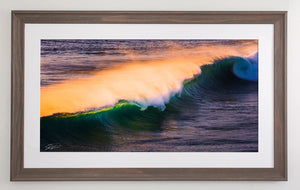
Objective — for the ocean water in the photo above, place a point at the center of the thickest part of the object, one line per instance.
(149, 95)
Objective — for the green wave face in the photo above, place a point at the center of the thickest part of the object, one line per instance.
(96, 127)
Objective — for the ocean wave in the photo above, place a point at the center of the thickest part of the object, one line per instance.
(97, 126)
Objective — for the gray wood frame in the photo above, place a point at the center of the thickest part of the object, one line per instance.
(20, 18)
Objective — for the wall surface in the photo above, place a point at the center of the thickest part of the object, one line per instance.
(293, 8)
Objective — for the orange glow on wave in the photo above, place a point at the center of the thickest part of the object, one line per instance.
(147, 82)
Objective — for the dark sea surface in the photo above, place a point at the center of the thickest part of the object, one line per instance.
(216, 111)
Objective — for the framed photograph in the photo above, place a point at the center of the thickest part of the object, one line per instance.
(148, 95)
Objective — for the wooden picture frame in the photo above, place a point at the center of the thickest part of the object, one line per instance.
(20, 18)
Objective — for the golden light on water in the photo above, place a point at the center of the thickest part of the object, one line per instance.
(147, 82)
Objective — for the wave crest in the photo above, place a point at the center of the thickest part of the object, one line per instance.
(148, 84)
